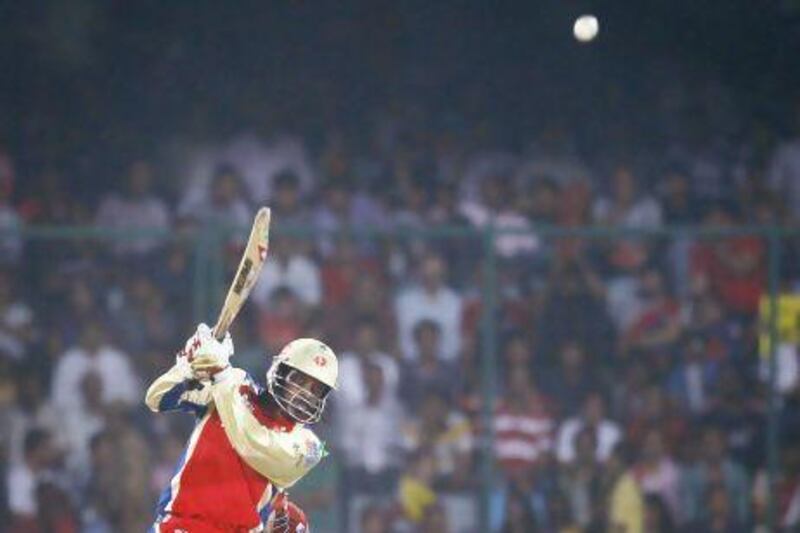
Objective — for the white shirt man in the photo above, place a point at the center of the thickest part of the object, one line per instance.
(369, 433)
(295, 271)
(118, 379)
(351, 376)
(430, 300)
(607, 432)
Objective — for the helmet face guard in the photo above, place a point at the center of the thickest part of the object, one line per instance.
(293, 390)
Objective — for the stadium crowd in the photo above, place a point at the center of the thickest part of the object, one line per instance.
(630, 388)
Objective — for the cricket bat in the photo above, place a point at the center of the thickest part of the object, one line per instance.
(255, 253)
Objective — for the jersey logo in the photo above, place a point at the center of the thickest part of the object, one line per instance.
(310, 452)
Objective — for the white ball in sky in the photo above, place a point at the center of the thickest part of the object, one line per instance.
(586, 28)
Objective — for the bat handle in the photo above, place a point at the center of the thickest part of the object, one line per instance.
(220, 328)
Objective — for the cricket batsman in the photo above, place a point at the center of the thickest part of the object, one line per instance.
(249, 444)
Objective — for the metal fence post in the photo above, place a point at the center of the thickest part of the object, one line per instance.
(488, 366)
(773, 421)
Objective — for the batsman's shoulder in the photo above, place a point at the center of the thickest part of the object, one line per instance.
(308, 447)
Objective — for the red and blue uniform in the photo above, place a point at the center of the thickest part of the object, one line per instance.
(224, 481)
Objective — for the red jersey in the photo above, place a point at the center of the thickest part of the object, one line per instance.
(216, 487)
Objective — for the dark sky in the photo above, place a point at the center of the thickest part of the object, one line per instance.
(85, 64)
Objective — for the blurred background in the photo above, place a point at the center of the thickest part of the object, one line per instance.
(561, 277)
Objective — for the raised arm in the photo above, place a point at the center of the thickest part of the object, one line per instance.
(282, 456)
(186, 386)
(178, 389)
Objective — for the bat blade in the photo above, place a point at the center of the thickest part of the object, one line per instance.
(255, 254)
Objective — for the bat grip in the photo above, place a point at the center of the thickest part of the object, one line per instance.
(220, 328)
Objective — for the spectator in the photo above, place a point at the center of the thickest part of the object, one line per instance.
(286, 200)
(679, 206)
(494, 208)
(416, 487)
(569, 383)
(51, 202)
(581, 483)
(412, 205)
(341, 272)
(374, 520)
(787, 356)
(705, 316)
(336, 213)
(32, 410)
(657, 518)
(786, 488)
(688, 305)
(447, 435)
(523, 426)
(56, 507)
(691, 383)
(545, 194)
(98, 498)
(352, 365)
(81, 308)
(369, 438)
(593, 416)
(94, 354)
(734, 267)
(657, 473)
(458, 253)
(289, 267)
(573, 309)
(343, 209)
(143, 319)
(123, 483)
(262, 162)
(655, 410)
(16, 320)
(435, 520)
(714, 467)
(720, 517)
(739, 416)
(137, 208)
(625, 509)
(624, 295)
(370, 298)
(656, 327)
(517, 354)
(82, 422)
(226, 206)
(281, 321)
(430, 299)
(258, 162)
(24, 479)
(429, 372)
(173, 275)
(626, 207)
(518, 514)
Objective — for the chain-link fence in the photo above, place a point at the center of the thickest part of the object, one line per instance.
(490, 377)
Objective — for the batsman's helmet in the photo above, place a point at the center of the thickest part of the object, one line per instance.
(302, 399)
